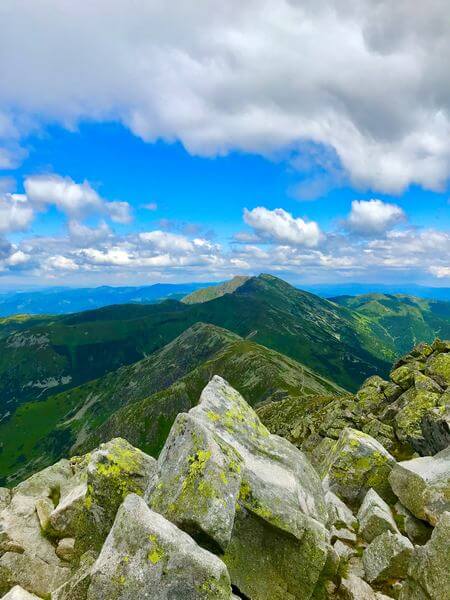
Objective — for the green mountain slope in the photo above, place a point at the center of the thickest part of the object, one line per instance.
(406, 320)
(64, 352)
(40, 432)
(261, 374)
(215, 291)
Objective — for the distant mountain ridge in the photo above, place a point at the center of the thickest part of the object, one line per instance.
(66, 300)
(215, 291)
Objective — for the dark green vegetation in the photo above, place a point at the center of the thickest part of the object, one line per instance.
(141, 401)
(71, 381)
(215, 291)
(406, 320)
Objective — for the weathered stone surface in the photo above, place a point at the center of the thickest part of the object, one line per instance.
(32, 573)
(18, 593)
(114, 470)
(144, 551)
(438, 367)
(64, 520)
(65, 549)
(415, 529)
(357, 463)
(423, 485)
(355, 588)
(429, 573)
(375, 517)
(44, 508)
(339, 515)
(199, 478)
(387, 557)
(76, 588)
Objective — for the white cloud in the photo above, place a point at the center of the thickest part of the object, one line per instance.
(373, 217)
(15, 213)
(150, 206)
(440, 271)
(257, 76)
(61, 263)
(76, 200)
(279, 225)
(84, 235)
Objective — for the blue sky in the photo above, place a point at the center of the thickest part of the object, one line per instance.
(132, 153)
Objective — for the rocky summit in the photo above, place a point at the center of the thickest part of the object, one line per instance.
(232, 510)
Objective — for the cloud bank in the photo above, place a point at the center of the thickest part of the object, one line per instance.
(367, 81)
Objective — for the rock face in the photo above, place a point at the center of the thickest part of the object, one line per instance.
(423, 485)
(18, 593)
(147, 556)
(251, 494)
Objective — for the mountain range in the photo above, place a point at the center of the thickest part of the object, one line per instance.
(69, 382)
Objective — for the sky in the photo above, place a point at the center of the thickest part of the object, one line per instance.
(143, 144)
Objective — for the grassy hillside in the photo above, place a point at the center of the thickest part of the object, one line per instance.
(406, 320)
(40, 432)
(260, 374)
(67, 351)
(215, 291)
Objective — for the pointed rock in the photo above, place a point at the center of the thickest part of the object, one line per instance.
(145, 552)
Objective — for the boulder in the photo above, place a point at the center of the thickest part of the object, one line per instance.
(66, 549)
(375, 517)
(355, 588)
(423, 485)
(272, 523)
(357, 463)
(339, 515)
(438, 367)
(199, 478)
(44, 508)
(415, 529)
(144, 551)
(31, 572)
(115, 470)
(429, 573)
(387, 557)
(64, 521)
(18, 593)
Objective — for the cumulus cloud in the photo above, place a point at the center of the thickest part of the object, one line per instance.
(16, 214)
(373, 217)
(279, 225)
(254, 76)
(76, 200)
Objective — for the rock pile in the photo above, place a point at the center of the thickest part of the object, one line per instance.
(231, 511)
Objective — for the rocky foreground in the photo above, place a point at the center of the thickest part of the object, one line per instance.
(230, 510)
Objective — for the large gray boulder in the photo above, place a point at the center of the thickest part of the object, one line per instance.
(429, 572)
(387, 557)
(356, 463)
(270, 520)
(375, 517)
(423, 485)
(145, 555)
